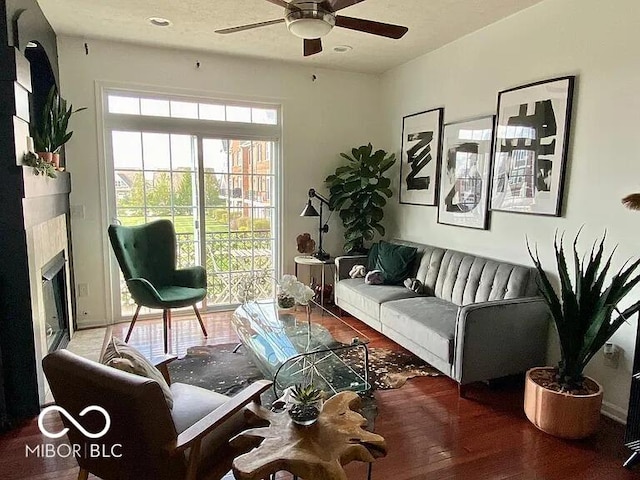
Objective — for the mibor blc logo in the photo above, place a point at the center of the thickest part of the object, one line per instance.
(91, 450)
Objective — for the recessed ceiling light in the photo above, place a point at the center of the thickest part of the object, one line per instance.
(342, 48)
(32, 45)
(159, 21)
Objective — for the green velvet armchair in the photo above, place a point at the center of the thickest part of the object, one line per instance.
(147, 257)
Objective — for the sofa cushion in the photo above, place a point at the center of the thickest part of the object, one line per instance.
(368, 298)
(428, 321)
(395, 261)
(118, 354)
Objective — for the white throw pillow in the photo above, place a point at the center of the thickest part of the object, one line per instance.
(118, 354)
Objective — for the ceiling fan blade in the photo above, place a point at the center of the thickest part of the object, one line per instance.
(340, 4)
(369, 26)
(280, 3)
(311, 47)
(250, 26)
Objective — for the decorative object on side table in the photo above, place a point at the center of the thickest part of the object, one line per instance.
(306, 244)
(310, 211)
(562, 401)
(419, 162)
(358, 191)
(304, 404)
(315, 452)
(50, 132)
(292, 291)
(530, 148)
(464, 182)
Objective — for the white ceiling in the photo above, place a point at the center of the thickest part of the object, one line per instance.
(432, 23)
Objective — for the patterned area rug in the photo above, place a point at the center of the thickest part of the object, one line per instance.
(217, 368)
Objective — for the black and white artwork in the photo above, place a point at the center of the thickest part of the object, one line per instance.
(530, 150)
(421, 135)
(465, 173)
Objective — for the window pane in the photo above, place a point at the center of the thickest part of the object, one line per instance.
(156, 150)
(238, 114)
(213, 196)
(129, 191)
(212, 112)
(266, 116)
(154, 108)
(128, 105)
(183, 155)
(184, 110)
(127, 150)
(215, 155)
(184, 189)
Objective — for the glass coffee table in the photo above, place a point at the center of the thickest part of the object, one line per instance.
(303, 345)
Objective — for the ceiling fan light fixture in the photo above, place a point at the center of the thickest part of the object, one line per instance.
(310, 23)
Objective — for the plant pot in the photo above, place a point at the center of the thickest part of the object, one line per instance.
(46, 156)
(305, 415)
(285, 301)
(561, 414)
(55, 160)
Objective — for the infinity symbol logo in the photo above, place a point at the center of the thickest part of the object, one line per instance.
(62, 411)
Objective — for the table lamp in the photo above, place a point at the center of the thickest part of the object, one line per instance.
(310, 211)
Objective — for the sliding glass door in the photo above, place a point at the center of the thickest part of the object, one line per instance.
(219, 192)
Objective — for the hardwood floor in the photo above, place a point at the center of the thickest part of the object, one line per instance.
(431, 433)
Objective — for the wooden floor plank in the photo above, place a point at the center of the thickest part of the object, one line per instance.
(432, 434)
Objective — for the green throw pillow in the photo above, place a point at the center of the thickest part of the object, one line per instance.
(395, 261)
(372, 257)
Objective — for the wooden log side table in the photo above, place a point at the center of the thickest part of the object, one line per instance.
(317, 452)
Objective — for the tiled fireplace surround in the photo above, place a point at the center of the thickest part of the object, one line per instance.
(44, 241)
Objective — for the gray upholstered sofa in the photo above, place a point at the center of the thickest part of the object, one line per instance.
(481, 319)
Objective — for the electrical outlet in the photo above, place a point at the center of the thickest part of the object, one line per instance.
(611, 354)
(83, 290)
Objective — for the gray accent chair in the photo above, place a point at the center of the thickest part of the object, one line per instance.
(479, 319)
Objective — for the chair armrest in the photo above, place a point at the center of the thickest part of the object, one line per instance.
(161, 363)
(345, 263)
(193, 277)
(499, 338)
(221, 414)
(143, 292)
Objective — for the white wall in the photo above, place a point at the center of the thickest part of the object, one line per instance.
(322, 118)
(601, 45)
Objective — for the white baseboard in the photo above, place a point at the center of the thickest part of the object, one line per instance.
(614, 412)
(92, 323)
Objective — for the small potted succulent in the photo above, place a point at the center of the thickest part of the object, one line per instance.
(305, 404)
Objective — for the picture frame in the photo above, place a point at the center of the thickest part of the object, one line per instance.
(420, 157)
(530, 147)
(465, 173)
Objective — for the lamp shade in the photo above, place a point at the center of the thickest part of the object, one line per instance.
(309, 211)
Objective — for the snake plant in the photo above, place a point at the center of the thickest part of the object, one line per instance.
(584, 311)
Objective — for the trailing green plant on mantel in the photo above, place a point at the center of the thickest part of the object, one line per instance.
(40, 166)
(583, 312)
(359, 191)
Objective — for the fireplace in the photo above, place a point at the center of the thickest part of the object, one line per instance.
(56, 311)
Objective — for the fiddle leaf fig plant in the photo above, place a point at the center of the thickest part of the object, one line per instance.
(359, 191)
(585, 311)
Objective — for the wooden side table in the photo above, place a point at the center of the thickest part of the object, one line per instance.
(317, 452)
(312, 262)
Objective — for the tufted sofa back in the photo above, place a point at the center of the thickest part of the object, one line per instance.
(463, 278)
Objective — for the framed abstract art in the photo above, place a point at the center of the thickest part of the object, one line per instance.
(530, 149)
(466, 173)
(421, 137)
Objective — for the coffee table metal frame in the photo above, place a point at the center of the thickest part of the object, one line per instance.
(308, 361)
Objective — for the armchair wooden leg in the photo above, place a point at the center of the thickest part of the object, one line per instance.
(133, 322)
(169, 317)
(165, 329)
(83, 474)
(194, 460)
(204, 330)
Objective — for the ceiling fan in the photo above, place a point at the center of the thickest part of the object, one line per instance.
(313, 19)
